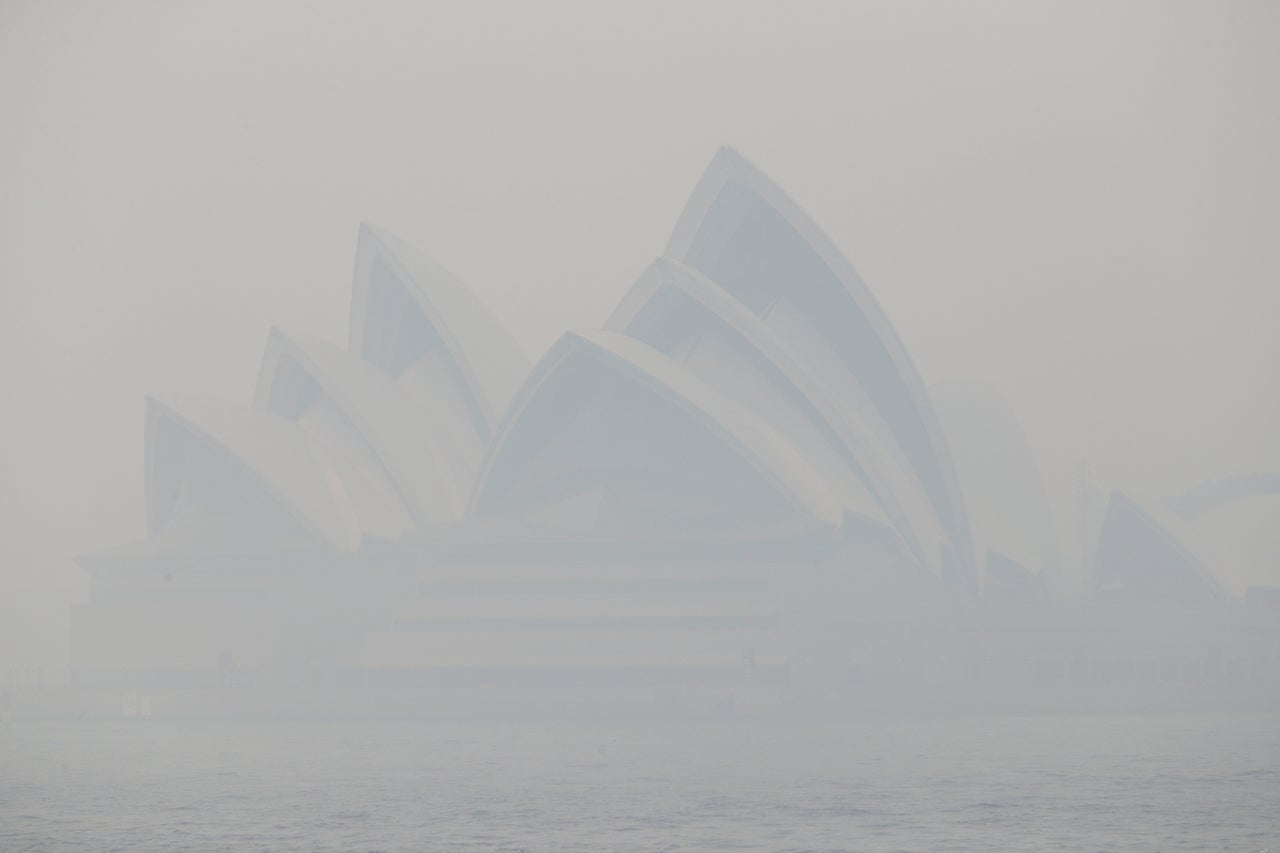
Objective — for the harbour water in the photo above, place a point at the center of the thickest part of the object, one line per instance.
(1142, 783)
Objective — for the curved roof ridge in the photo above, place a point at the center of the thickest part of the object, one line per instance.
(479, 344)
(753, 440)
(729, 163)
(857, 441)
(730, 167)
(389, 419)
(273, 451)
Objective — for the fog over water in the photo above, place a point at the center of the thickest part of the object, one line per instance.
(1050, 783)
(739, 492)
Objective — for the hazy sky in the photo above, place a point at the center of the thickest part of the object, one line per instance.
(1078, 202)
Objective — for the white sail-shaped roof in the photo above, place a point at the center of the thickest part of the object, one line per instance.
(693, 321)
(253, 469)
(1146, 555)
(406, 308)
(741, 231)
(607, 431)
(1220, 538)
(1003, 487)
(415, 322)
(378, 436)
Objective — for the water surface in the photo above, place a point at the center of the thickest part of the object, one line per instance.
(1176, 782)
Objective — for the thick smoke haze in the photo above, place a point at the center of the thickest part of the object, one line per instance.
(1076, 203)
(759, 555)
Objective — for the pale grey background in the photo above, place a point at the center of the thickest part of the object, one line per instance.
(1077, 202)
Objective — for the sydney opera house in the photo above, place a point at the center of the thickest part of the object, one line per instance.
(737, 495)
